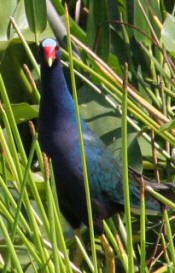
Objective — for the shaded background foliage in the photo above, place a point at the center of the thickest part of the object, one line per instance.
(140, 33)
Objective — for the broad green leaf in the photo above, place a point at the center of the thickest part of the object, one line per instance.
(15, 9)
(141, 23)
(146, 150)
(19, 16)
(97, 112)
(24, 112)
(167, 33)
(17, 84)
(7, 8)
(98, 15)
(134, 152)
(114, 63)
(36, 15)
(168, 126)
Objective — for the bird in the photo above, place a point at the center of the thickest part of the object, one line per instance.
(58, 136)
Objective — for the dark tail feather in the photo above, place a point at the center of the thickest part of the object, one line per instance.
(165, 189)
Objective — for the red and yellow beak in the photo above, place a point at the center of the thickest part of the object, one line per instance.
(50, 54)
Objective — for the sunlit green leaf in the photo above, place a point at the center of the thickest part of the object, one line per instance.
(168, 37)
(7, 8)
(36, 14)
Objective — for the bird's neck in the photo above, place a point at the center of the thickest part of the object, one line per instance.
(56, 101)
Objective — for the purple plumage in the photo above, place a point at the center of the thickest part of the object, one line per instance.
(59, 139)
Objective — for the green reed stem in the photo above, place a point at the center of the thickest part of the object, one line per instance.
(125, 175)
(83, 153)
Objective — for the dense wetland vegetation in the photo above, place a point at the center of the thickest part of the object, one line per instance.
(120, 47)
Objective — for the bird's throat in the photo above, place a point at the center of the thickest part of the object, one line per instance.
(56, 101)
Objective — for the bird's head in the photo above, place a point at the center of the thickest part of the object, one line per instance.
(50, 48)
